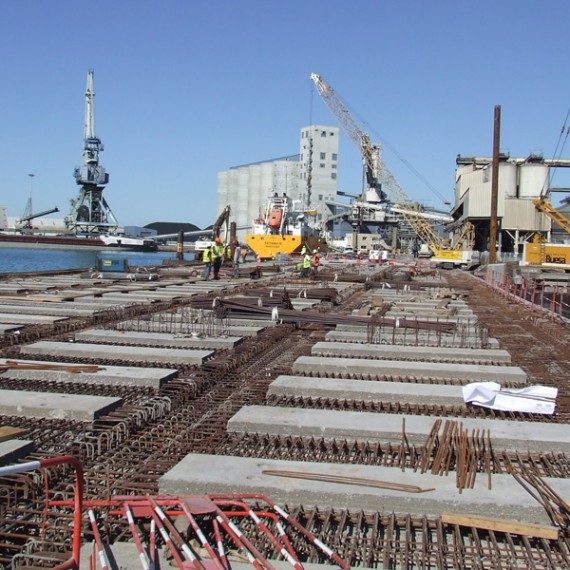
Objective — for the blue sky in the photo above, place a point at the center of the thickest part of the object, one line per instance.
(187, 88)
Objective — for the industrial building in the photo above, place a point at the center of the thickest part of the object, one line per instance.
(522, 181)
(308, 178)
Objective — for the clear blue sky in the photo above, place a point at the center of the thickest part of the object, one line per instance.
(187, 88)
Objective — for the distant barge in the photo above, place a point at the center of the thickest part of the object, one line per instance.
(83, 243)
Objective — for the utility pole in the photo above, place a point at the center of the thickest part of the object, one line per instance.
(495, 186)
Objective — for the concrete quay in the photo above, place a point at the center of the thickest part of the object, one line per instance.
(129, 376)
(397, 352)
(387, 428)
(366, 391)
(379, 369)
(46, 405)
(208, 474)
(110, 352)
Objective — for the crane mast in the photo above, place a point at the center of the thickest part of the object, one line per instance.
(90, 213)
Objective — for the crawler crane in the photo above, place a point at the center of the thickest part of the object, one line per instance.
(541, 253)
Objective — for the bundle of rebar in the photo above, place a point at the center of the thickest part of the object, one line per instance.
(468, 452)
(557, 509)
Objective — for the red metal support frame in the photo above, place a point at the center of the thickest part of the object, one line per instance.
(73, 563)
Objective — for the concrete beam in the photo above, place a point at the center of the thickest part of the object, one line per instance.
(106, 352)
(23, 320)
(140, 377)
(157, 339)
(14, 449)
(398, 352)
(366, 391)
(410, 338)
(56, 406)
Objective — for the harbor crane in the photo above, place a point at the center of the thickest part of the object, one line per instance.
(90, 213)
(382, 184)
(26, 220)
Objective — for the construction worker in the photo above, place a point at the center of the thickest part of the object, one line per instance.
(315, 261)
(217, 256)
(306, 264)
(207, 258)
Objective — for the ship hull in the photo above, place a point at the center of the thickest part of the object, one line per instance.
(76, 243)
(269, 246)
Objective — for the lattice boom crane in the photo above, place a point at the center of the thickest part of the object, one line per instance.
(381, 180)
(370, 152)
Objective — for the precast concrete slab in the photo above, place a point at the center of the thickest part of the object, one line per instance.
(78, 407)
(398, 352)
(430, 318)
(431, 304)
(144, 295)
(468, 328)
(366, 391)
(413, 304)
(412, 338)
(14, 449)
(347, 367)
(203, 474)
(387, 428)
(130, 376)
(261, 322)
(51, 309)
(159, 326)
(157, 339)
(15, 319)
(302, 304)
(9, 328)
(119, 299)
(109, 352)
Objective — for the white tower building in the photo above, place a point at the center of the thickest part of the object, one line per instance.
(319, 168)
(308, 178)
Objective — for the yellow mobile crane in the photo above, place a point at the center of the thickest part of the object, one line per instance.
(379, 178)
(539, 252)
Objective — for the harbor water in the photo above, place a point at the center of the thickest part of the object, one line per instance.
(30, 260)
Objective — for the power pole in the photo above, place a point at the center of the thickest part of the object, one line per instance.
(495, 186)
